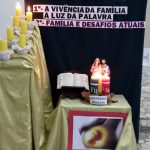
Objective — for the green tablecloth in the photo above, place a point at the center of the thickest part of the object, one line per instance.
(25, 98)
(58, 137)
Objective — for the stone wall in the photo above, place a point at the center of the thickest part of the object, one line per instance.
(144, 137)
(145, 98)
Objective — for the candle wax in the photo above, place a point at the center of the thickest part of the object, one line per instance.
(3, 45)
(22, 40)
(23, 25)
(18, 10)
(100, 85)
(16, 21)
(29, 15)
(106, 85)
(10, 34)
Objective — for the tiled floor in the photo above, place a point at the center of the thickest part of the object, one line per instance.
(144, 138)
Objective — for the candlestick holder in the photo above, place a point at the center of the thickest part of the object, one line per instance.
(18, 32)
(6, 55)
(20, 50)
(31, 25)
(24, 50)
(11, 43)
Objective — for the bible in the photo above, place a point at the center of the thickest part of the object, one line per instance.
(72, 84)
(72, 80)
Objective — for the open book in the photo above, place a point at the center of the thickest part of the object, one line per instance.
(72, 80)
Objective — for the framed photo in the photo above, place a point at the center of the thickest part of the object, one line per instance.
(89, 130)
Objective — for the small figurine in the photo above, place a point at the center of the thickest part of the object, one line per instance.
(96, 67)
(105, 68)
(100, 78)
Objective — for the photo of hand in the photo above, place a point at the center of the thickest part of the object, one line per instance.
(96, 132)
(101, 133)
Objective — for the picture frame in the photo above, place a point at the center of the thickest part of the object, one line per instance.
(94, 130)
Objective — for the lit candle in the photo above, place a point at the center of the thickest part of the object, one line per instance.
(10, 34)
(3, 45)
(105, 85)
(22, 40)
(96, 83)
(100, 85)
(29, 15)
(18, 10)
(23, 25)
(16, 21)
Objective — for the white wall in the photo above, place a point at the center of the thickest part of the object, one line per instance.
(7, 9)
(147, 31)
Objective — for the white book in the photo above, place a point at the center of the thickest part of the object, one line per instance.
(72, 80)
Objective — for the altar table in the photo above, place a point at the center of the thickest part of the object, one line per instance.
(58, 122)
(25, 98)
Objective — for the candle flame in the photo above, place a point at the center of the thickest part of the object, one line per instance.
(29, 8)
(96, 75)
(18, 4)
